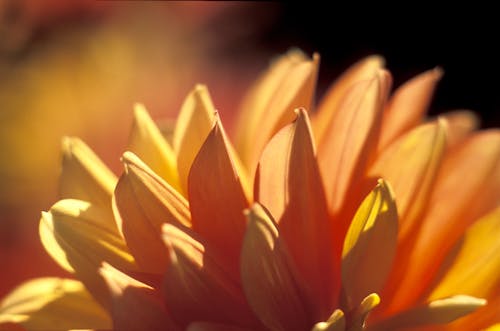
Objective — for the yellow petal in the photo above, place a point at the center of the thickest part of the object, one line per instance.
(53, 304)
(72, 235)
(349, 140)
(408, 106)
(476, 269)
(360, 71)
(289, 185)
(495, 327)
(147, 142)
(267, 276)
(217, 197)
(467, 187)
(410, 165)
(370, 245)
(84, 176)
(435, 312)
(143, 202)
(195, 121)
(336, 322)
(288, 84)
(135, 306)
(196, 286)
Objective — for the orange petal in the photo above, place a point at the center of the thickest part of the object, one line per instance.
(143, 202)
(289, 185)
(71, 233)
(435, 312)
(349, 140)
(135, 306)
(52, 304)
(476, 269)
(84, 176)
(461, 123)
(410, 165)
(217, 198)
(370, 245)
(268, 279)
(196, 286)
(147, 142)
(288, 84)
(330, 104)
(194, 122)
(467, 186)
(408, 105)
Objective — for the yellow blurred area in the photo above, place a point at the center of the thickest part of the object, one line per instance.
(82, 79)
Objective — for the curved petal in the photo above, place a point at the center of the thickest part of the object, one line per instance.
(476, 268)
(196, 286)
(143, 202)
(289, 185)
(408, 105)
(370, 245)
(350, 140)
(135, 306)
(467, 187)
(410, 165)
(288, 84)
(194, 123)
(217, 197)
(267, 276)
(85, 177)
(72, 235)
(440, 311)
(147, 142)
(461, 123)
(53, 304)
(360, 71)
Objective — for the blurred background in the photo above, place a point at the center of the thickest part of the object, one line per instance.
(76, 68)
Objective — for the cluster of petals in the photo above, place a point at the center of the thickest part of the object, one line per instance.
(358, 213)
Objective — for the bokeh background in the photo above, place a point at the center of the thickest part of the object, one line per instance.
(76, 68)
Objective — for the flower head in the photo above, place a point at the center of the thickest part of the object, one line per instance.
(366, 217)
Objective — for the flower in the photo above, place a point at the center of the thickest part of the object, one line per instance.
(366, 217)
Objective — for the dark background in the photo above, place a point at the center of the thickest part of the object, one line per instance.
(461, 40)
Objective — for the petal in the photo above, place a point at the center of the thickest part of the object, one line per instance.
(410, 165)
(194, 123)
(135, 306)
(289, 185)
(336, 322)
(461, 123)
(53, 304)
(370, 245)
(408, 105)
(84, 176)
(196, 286)
(288, 84)
(147, 142)
(467, 186)
(217, 197)
(349, 140)
(268, 279)
(360, 71)
(143, 202)
(440, 311)
(72, 235)
(476, 268)
(208, 326)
